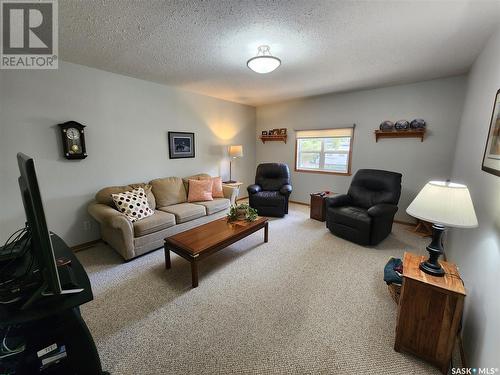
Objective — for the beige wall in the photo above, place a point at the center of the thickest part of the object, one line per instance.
(477, 251)
(127, 123)
(439, 102)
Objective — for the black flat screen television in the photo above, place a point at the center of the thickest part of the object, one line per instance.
(41, 244)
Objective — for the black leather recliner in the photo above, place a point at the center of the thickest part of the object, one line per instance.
(365, 214)
(269, 195)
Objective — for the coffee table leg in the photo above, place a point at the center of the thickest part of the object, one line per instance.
(194, 273)
(266, 232)
(167, 258)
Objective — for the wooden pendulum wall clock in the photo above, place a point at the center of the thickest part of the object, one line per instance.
(73, 140)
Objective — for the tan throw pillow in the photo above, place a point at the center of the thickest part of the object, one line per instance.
(133, 204)
(168, 191)
(200, 190)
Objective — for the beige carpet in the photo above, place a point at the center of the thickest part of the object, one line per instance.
(304, 303)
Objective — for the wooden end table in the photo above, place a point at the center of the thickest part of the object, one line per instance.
(318, 205)
(198, 243)
(429, 312)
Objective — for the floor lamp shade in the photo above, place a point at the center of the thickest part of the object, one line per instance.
(445, 204)
(236, 151)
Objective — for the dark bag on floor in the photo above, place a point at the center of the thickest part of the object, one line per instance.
(391, 276)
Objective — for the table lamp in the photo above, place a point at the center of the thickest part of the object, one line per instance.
(444, 204)
(235, 151)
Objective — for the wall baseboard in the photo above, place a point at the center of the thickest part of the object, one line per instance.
(85, 245)
(241, 199)
(301, 203)
(408, 223)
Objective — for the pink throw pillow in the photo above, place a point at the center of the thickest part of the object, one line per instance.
(200, 190)
(217, 191)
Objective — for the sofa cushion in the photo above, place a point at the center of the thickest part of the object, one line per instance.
(354, 217)
(185, 211)
(168, 191)
(200, 190)
(103, 196)
(158, 221)
(217, 205)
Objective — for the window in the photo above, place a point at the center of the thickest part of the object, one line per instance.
(324, 151)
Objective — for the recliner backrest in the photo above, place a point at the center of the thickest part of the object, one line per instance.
(373, 186)
(272, 176)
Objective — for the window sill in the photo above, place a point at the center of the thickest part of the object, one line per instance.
(323, 172)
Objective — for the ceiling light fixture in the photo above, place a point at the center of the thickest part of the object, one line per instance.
(264, 62)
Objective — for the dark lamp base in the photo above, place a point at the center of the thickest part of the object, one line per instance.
(431, 269)
(431, 266)
(229, 182)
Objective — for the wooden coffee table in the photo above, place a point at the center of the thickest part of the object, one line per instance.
(198, 243)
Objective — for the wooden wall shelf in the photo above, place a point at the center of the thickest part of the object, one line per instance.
(400, 134)
(273, 138)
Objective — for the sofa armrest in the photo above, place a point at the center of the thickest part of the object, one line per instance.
(252, 189)
(338, 200)
(116, 228)
(286, 189)
(111, 217)
(382, 209)
(230, 192)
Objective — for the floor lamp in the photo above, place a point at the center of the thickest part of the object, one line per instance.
(235, 152)
(444, 204)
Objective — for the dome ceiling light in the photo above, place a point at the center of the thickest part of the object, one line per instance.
(264, 62)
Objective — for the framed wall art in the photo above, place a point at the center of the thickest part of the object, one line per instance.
(491, 157)
(180, 145)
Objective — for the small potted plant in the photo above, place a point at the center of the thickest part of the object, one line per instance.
(242, 212)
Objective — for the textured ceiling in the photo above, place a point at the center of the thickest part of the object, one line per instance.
(325, 46)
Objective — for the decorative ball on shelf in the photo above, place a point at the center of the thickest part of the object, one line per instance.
(418, 123)
(402, 125)
(386, 125)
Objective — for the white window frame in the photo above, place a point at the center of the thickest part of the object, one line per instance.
(324, 133)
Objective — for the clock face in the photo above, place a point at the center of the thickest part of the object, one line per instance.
(72, 133)
(73, 139)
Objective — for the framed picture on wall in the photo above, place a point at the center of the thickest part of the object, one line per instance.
(180, 145)
(491, 157)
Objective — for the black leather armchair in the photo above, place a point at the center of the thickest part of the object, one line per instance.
(269, 195)
(365, 214)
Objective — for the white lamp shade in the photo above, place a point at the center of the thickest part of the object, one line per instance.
(236, 151)
(444, 203)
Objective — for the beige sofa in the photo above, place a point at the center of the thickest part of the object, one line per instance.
(172, 214)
